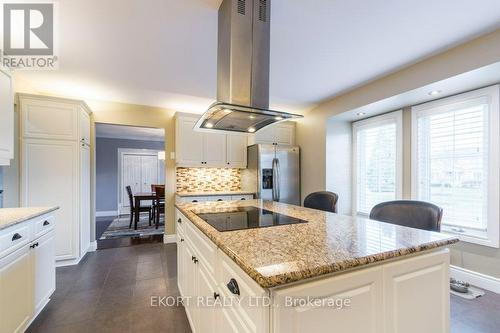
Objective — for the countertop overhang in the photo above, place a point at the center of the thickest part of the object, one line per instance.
(328, 243)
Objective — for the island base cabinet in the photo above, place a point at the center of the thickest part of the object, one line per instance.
(346, 303)
(16, 300)
(44, 267)
(418, 294)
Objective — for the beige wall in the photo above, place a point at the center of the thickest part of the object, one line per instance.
(311, 131)
(140, 115)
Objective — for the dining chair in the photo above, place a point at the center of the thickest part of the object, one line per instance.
(409, 213)
(141, 208)
(322, 200)
(160, 204)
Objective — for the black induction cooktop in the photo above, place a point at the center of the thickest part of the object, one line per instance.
(246, 218)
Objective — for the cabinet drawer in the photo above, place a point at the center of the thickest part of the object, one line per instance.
(14, 238)
(249, 311)
(180, 222)
(218, 198)
(204, 248)
(242, 197)
(44, 225)
(193, 199)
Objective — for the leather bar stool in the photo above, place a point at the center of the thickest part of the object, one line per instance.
(323, 200)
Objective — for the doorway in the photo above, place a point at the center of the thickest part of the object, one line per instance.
(128, 156)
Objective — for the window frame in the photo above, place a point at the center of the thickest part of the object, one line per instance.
(492, 94)
(395, 117)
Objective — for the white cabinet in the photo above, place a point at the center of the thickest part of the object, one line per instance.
(55, 168)
(210, 149)
(27, 273)
(189, 143)
(280, 133)
(16, 300)
(44, 270)
(214, 198)
(237, 150)
(6, 118)
(214, 149)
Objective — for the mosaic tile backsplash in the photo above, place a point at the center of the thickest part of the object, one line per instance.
(208, 179)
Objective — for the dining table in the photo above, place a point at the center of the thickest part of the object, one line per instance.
(138, 197)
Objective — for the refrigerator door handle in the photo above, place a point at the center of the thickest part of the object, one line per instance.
(276, 179)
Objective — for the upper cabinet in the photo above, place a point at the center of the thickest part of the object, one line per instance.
(208, 149)
(84, 124)
(280, 133)
(6, 118)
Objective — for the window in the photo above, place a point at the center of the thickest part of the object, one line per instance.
(455, 162)
(377, 161)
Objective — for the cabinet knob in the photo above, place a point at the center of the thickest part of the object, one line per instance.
(233, 287)
(194, 201)
(243, 199)
(182, 239)
(179, 220)
(195, 260)
(219, 199)
(46, 223)
(16, 237)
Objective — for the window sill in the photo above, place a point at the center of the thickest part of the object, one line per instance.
(474, 237)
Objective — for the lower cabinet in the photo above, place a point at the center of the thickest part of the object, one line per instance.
(215, 198)
(27, 275)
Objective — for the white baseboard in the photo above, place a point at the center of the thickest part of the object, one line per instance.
(480, 280)
(93, 246)
(104, 213)
(168, 239)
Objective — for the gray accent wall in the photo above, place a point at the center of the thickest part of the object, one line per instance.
(107, 168)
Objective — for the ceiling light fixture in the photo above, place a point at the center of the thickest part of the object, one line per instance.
(359, 114)
(278, 118)
(435, 92)
(251, 130)
(209, 125)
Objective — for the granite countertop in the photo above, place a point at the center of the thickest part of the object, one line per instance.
(12, 216)
(328, 243)
(211, 193)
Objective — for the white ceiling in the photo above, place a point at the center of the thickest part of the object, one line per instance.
(129, 132)
(163, 52)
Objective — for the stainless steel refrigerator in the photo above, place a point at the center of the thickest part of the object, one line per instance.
(275, 169)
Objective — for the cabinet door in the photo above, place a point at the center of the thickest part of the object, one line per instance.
(181, 276)
(409, 285)
(189, 143)
(206, 310)
(214, 149)
(84, 199)
(6, 119)
(190, 276)
(49, 177)
(237, 150)
(265, 135)
(47, 119)
(44, 270)
(364, 290)
(285, 134)
(16, 291)
(84, 126)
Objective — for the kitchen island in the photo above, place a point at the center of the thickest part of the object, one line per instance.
(329, 273)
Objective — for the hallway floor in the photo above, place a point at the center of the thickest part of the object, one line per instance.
(110, 290)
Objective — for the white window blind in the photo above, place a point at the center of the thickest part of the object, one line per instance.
(455, 166)
(377, 161)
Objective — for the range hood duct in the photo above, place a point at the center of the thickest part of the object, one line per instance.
(242, 69)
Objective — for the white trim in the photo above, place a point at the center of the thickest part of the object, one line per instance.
(169, 239)
(93, 246)
(490, 94)
(476, 279)
(106, 213)
(391, 117)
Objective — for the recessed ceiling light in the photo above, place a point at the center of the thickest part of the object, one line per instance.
(227, 111)
(278, 118)
(434, 92)
(251, 117)
(359, 114)
(209, 125)
(251, 130)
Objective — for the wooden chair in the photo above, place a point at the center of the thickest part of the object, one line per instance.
(409, 213)
(141, 209)
(159, 204)
(323, 200)
(153, 189)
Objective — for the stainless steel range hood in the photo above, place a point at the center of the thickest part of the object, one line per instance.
(242, 70)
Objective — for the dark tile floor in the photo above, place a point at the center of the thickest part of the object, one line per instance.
(109, 291)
